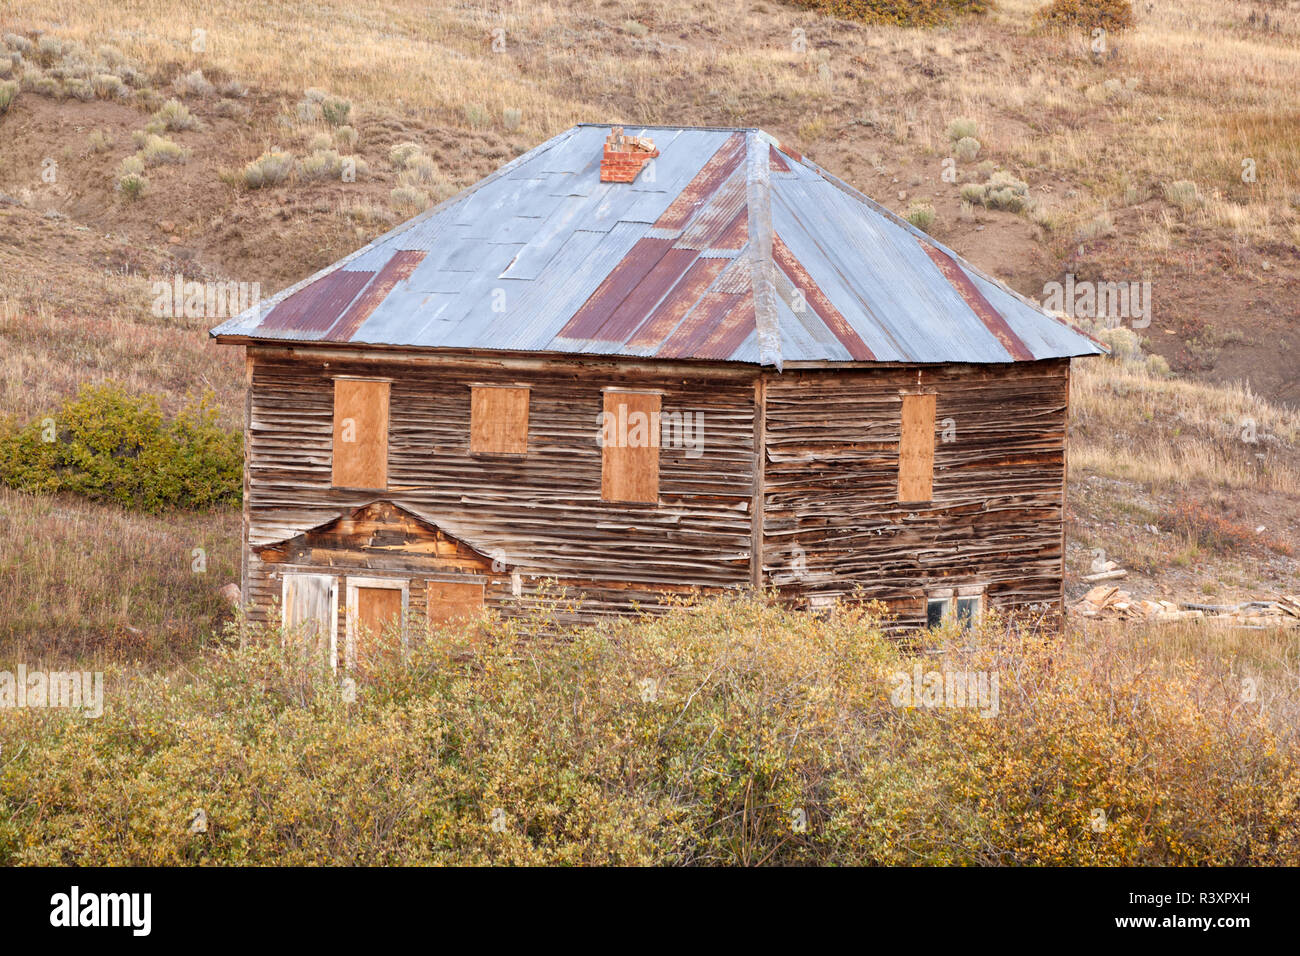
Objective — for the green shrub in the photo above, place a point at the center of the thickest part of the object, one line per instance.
(1001, 191)
(966, 148)
(899, 12)
(268, 169)
(336, 110)
(8, 92)
(132, 185)
(403, 154)
(110, 445)
(962, 128)
(175, 115)
(1089, 14)
(477, 117)
(921, 215)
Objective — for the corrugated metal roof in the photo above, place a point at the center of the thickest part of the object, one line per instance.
(727, 247)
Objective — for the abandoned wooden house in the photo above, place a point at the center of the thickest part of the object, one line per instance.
(638, 366)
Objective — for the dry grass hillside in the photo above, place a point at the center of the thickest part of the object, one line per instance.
(144, 137)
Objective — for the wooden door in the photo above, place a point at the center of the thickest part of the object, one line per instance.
(309, 605)
(377, 610)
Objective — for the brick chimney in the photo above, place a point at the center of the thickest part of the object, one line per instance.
(624, 156)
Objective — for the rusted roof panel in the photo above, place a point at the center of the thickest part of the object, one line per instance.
(314, 308)
(674, 306)
(725, 235)
(397, 269)
(713, 309)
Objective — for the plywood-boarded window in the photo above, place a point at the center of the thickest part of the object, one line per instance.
(498, 420)
(453, 602)
(309, 611)
(360, 458)
(629, 438)
(916, 449)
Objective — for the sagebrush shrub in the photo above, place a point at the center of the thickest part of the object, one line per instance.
(403, 154)
(335, 110)
(108, 85)
(966, 148)
(921, 215)
(268, 169)
(345, 137)
(175, 115)
(192, 84)
(961, 128)
(156, 150)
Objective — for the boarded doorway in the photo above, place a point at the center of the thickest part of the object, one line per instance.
(376, 617)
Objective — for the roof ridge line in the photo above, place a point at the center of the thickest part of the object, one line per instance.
(758, 201)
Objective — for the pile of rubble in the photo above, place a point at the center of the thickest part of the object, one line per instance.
(1110, 603)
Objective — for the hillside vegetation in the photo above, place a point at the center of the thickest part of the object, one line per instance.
(726, 733)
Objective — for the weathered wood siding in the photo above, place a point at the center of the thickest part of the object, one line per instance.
(817, 450)
(541, 514)
(832, 522)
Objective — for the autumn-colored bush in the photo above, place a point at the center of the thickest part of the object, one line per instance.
(920, 13)
(1089, 14)
(110, 445)
(1216, 533)
(731, 732)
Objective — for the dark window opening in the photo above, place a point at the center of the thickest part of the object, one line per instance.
(935, 611)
